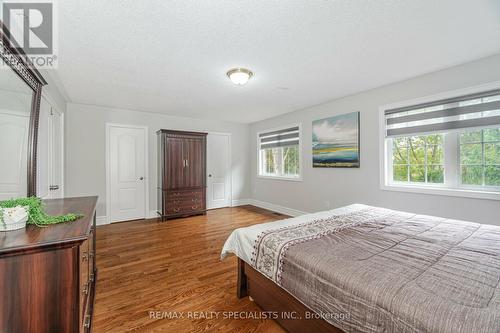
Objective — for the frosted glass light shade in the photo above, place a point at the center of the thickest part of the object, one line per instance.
(239, 76)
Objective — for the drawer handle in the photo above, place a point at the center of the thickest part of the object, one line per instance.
(91, 277)
(86, 321)
(85, 289)
(194, 207)
(176, 202)
(176, 210)
(85, 256)
(177, 194)
(195, 200)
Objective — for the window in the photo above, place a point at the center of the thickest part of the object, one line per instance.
(447, 146)
(418, 159)
(279, 153)
(480, 157)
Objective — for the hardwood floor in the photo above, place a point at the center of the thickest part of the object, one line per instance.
(174, 267)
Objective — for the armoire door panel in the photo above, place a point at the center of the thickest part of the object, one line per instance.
(194, 155)
(175, 163)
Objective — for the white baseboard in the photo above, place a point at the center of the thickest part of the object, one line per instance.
(277, 208)
(241, 202)
(269, 206)
(101, 220)
(152, 214)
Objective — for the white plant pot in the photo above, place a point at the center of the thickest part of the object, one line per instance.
(13, 218)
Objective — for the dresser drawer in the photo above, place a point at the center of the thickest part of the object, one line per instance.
(198, 194)
(184, 202)
(184, 209)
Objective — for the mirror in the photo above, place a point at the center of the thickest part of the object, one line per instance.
(20, 93)
(15, 112)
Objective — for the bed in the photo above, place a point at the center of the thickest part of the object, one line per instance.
(368, 269)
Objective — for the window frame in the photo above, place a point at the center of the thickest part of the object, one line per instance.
(487, 188)
(452, 186)
(259, 156)
(408, 165)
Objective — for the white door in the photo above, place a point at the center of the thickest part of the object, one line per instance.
(43, 144)
(218, 171)
(56, 148)
(49, 152)
(14, 128)
(126, 172)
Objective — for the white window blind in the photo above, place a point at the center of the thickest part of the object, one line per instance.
(282, 138)
(465, 112)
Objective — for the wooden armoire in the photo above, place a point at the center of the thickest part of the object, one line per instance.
(181, 173)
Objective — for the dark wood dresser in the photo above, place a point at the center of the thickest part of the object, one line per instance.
(48, 274)
(181, 173)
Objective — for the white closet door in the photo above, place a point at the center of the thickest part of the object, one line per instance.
(49, 152)
(56, 155)
(126, 173)
(43, 158)
(218, 171)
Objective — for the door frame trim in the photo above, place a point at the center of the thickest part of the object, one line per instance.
(229, 165)
(146, 168)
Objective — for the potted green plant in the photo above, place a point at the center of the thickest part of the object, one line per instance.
(16, 213)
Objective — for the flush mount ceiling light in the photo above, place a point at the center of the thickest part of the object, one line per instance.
(239, 76)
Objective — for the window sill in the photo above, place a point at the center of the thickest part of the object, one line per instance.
(452, 192)
(293, 179)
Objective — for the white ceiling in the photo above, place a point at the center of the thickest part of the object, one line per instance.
(171, 56)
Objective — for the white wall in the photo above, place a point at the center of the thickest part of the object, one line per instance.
(324, 188)
(53, 91)
(85, 136)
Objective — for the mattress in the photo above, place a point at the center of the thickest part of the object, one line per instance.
(370, 269)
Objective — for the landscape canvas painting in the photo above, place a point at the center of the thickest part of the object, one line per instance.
(336, 141)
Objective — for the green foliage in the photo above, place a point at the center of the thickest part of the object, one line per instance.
(480, 157)
(270, 158)
(472, 174)
(291, 160)
(418, 159)
(471, 154)
(36, 213)
(492, 175)
(469, 137)
(491, 134)
(284, 159)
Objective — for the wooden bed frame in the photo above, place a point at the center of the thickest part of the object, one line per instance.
(271, 297)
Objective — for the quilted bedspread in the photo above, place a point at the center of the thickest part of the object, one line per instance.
(369, 269)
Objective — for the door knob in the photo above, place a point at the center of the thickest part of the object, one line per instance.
(210, 175)
(141, 178)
